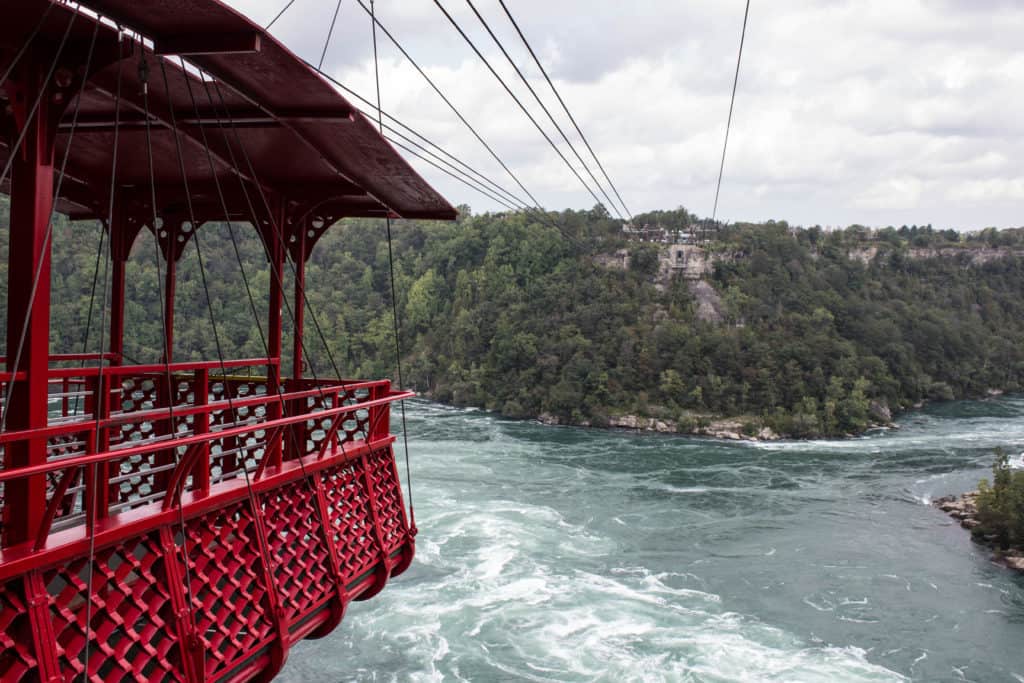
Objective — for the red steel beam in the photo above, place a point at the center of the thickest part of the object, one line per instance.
(212, 44)
(29, 307)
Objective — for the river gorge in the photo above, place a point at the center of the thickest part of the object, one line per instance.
(566, 554)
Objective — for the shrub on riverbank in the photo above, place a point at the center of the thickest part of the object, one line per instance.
(1001, 504)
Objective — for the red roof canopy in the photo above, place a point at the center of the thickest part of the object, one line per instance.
(292, 134)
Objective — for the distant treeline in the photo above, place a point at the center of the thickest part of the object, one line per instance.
(506, 312)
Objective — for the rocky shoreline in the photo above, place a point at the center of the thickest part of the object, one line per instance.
(722, 428)
(965, 510)
(728, 428)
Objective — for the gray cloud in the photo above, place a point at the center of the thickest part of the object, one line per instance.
(866, 111)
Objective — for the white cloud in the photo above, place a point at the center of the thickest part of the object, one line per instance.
(865, 111)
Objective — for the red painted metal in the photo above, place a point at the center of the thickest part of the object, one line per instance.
(31, 203)
(265, 571)
(205, 515)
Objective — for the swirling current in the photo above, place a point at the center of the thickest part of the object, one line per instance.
(563, 554)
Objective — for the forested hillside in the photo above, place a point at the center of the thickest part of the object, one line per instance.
(507, 313)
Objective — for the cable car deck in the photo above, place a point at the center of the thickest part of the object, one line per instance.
(183, 521)
(220, 493)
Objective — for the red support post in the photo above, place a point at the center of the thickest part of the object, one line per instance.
(170, 279)
(201, 425)
(300, 309)
(29, 307)
(275, 252)
(97, 476)
(119, 261)
(123, 231)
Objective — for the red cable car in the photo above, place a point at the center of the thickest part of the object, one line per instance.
(193, 520)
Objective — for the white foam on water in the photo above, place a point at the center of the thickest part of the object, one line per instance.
(505, 596)
(515, 579)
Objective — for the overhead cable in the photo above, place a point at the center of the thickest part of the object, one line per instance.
(371, 114)
(279, 14)
(564, 106)
(516, 99)
(451, 106)
(330, 32)
(394, 296)
(732, 101)
(28, 41)
(533, 92)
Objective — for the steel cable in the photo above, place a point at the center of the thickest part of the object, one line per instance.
(516, 99)
(100, 393)
(565, 107)
(732, 101)
(394, 296)
(533, 92)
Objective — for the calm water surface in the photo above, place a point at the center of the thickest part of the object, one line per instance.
(560, 554)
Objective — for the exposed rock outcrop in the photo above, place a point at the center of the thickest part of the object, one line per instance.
(965, 511)
(709, 303)
(880, 412)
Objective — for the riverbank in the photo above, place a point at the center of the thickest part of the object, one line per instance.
(965, 510)
(741, 428)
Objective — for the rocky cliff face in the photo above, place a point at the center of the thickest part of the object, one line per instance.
(976, 256)
(686, 260)
(709, 302)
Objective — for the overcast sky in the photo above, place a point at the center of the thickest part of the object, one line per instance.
(861, 111)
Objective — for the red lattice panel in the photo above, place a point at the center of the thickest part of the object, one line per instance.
(302, 572)
(230, 603)
(17, 662)
(132, 635)
(387, 494)
(253, 444)
(71, 504)
(357, 425)
(354, 425)
(140, 482)
(348, 508)
(59, 447)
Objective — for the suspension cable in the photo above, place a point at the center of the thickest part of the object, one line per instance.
(442, 164)
(565, 107)
(516, 99)
(199, 255)
(538, 211)
(451, 106)
(101, 394)
(534, 211)
(414, 132)
(461, 178)
(169, 381)
(279, 15)
(92, 303)
(394, 296)
(263, 339)
(25, 45)
(220, 352)
(278, 228)
(533, 92)
(39, 98)
(732, 101)
(255, 219)
(330, 32)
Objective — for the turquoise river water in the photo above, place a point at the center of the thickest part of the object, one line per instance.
(561, 554)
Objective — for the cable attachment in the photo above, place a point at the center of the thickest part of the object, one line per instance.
(144, 74)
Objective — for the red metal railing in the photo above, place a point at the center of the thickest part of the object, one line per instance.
(225, 518)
